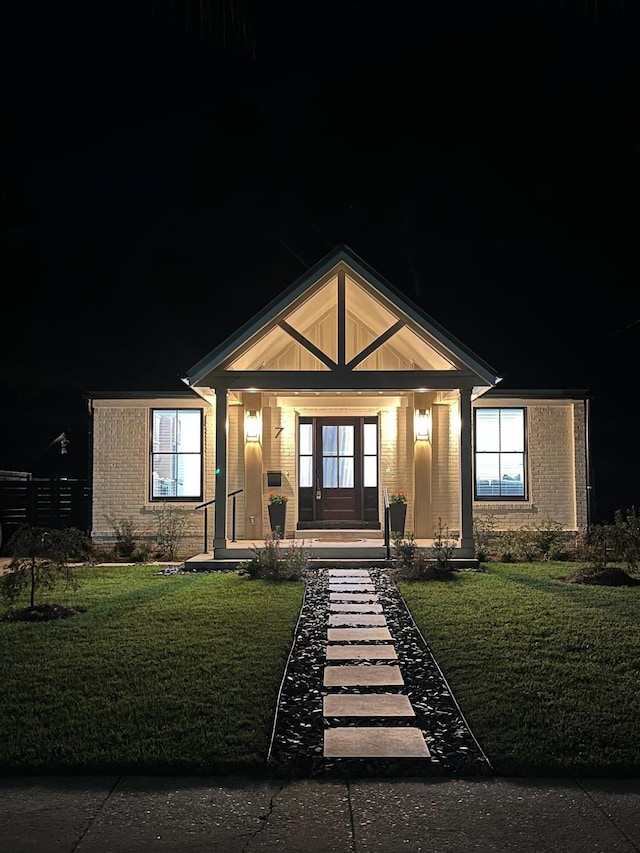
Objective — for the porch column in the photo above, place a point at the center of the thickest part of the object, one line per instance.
(422, 468)
(220, 515)
(253, 473)
(466, 471)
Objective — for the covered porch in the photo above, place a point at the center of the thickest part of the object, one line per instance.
(337, 392)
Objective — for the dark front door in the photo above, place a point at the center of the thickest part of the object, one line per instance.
(338, 469)
(338, 461)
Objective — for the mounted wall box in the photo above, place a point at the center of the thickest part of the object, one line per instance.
(274, 479)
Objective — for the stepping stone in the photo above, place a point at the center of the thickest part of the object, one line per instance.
(343, 635)
(351, 587)
(357, 619)
(352, 596)
(355, 608)
(375, 742)
(362, 676)
(367, 705)
(341, 573)
(371, 652)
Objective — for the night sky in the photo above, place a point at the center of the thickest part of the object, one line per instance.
(162, 184)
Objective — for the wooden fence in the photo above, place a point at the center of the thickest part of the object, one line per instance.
(43, 503)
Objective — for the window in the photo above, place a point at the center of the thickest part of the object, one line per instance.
(176, 454)
(306, 455)
(370, 450)
(500, 463)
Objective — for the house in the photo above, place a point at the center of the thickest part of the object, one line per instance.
(336, 393)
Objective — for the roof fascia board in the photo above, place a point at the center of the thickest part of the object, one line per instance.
(539, 394)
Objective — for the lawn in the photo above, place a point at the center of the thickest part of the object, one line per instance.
(159, 674)
(180, 673)
(546, 673)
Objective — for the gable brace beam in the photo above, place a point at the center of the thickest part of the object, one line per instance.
(374, 345)
(342, 319)
(312, 348)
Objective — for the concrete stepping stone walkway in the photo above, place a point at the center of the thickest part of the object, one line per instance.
(348, 741)
(336, 713)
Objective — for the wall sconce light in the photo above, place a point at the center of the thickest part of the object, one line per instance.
(423, 425)
(252, 426)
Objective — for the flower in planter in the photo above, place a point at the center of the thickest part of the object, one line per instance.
(277, 498)
(398, 496)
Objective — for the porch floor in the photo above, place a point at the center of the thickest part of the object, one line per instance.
(326, 549)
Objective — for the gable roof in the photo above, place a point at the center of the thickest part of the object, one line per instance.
(386, 322)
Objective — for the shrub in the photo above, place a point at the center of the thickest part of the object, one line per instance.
(406, 550)
(414, 563)
(125, 533)
(547, 538)
(483, 528)
(627, 536)
(171, 528)
(272, 563)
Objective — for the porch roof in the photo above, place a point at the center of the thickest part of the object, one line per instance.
(444, 361)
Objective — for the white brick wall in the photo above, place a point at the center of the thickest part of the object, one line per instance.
(557, 469)
(556, 457)
(121, 434)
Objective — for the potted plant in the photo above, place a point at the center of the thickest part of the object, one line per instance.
(277, 512)
(397, 511)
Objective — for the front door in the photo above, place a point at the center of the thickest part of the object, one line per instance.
(338, 471)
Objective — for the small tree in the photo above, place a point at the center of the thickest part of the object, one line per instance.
(40, 558)
(443, 546)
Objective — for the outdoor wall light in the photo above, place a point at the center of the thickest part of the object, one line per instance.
(423, 425)
(252, 426)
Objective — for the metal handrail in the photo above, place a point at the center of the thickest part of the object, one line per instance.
(387, 522)
(206, 517)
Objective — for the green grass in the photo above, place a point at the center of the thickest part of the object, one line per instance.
(180, 674)
(546, 673)
(160, 674)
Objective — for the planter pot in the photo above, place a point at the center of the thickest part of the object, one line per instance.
(397, 518)
(277, 518)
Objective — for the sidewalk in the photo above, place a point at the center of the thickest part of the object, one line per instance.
(132, 814)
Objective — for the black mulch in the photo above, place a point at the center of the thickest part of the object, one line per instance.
(297, 738)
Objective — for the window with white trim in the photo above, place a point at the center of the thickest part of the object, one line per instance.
(500, 453)
(176, 454)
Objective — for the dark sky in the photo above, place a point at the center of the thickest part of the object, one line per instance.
(160, 187)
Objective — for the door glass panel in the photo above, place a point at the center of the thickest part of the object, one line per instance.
(329, 440)
(330, 472)
(346, 473)
(346, 441)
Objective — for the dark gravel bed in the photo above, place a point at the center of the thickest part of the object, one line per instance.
(297, 738)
